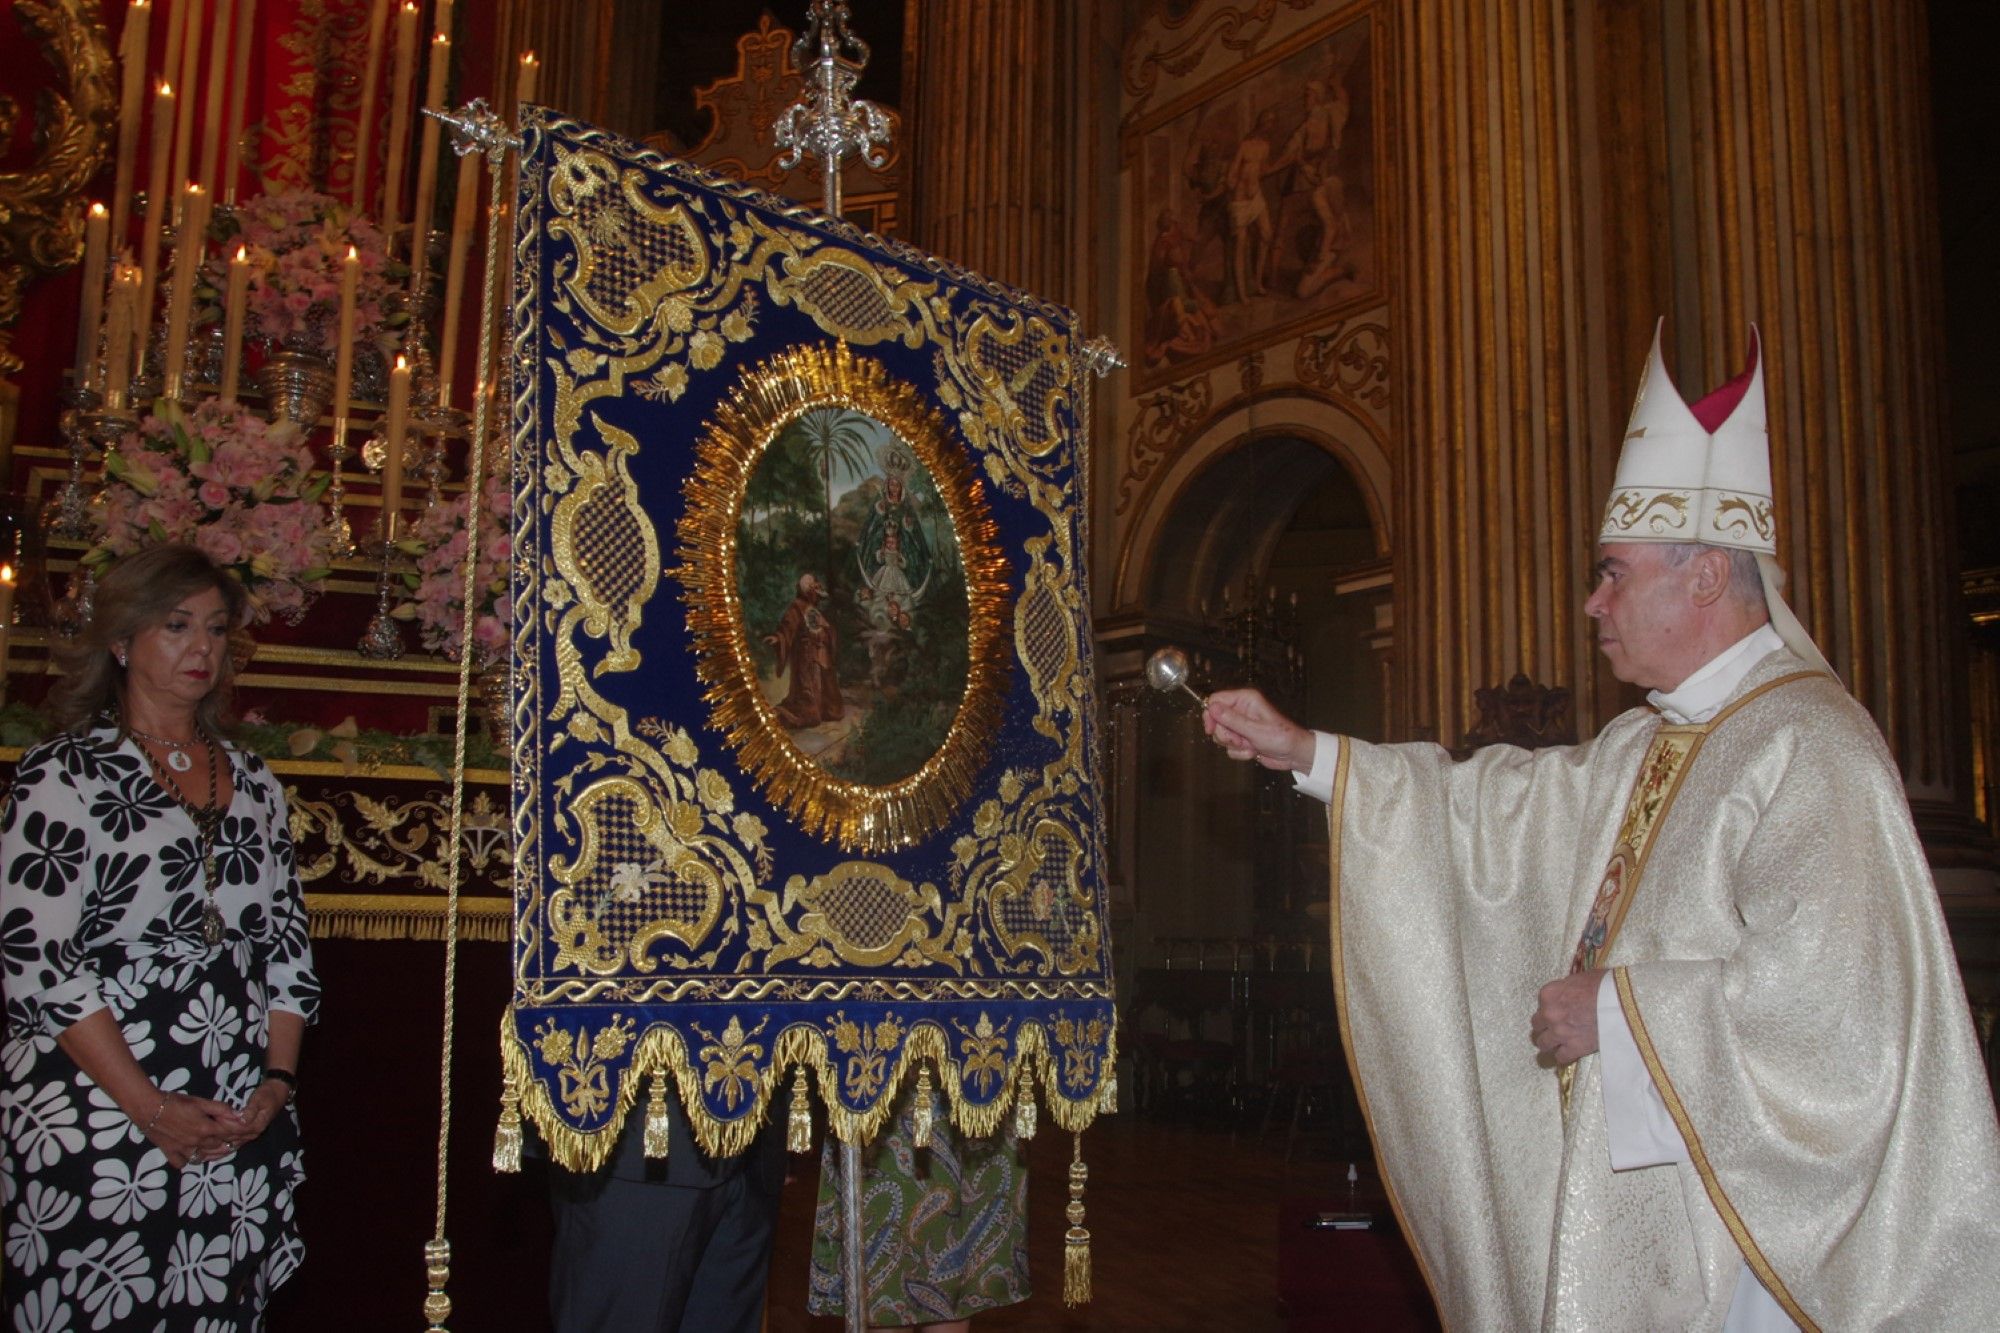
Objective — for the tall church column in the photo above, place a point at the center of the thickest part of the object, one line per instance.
(1801, 142)
(1504, 378)
(989, 183)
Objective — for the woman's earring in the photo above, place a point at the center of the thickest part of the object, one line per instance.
(121, 659)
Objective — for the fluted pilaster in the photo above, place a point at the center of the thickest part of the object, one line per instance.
(1496, 494)
(990, 182)
(1801, 137)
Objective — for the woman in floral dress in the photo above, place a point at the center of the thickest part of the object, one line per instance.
(158, 980)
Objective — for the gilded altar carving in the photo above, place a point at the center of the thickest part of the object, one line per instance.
(41, 207)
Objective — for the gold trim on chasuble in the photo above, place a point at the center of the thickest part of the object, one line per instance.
(1336, 810)
(1661, 772)
(768, 397)
(1746, 1244)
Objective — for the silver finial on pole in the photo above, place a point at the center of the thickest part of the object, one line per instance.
(475, 129)
(829, 121)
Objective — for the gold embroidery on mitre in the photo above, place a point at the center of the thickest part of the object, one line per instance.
(1746, 513)
(1660, 512)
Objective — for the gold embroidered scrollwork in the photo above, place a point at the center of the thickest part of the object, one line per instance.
(866, 915)
(582, 1060)
(631, 253)
(605, 548)
(638, 878)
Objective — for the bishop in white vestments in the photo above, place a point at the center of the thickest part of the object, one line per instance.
(1663, 1030)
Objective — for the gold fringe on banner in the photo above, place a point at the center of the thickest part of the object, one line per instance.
(799, 1121)
(405, 916)
(657, 1131)
(1107, 1092)
(801, 1047)
(1076, 1241)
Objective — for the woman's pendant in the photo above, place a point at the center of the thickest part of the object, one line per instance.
(211, 924)
(179, 760)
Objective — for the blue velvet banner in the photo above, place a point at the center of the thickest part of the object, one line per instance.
(804, 784)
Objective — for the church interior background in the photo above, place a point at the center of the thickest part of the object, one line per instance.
(1371, 406)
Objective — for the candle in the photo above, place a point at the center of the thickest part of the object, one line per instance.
(180, 300)
(218, 78)
(364, 116)
(427, 164)
(443, 20)
(176, 29)
(6, 620)
(96, 248)
(184, 80)
(343, 357)
(399, 118)
(463, 218)
(524, 81)
(118, 335)
(159, 157)
(239, 90)
(392, 457)
(233, 306)
(131, 99)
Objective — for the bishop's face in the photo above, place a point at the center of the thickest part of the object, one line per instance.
(1645, 614)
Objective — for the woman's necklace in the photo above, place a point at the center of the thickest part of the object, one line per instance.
(207, 824)
(178, 758)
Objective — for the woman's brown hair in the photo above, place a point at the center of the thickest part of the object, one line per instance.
(136, 593)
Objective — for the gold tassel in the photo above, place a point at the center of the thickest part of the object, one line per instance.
(1076, 1241)
(1107, 1093)
(1024, 1112)
(507, 1136)
(925, 1112)
(657, 1136)
(799, 1121)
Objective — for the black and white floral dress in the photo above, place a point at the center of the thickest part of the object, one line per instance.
(101, 894)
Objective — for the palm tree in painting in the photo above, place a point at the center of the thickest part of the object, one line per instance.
(833, 435)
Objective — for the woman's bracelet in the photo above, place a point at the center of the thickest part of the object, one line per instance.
(284, 1076)
(156, 1115)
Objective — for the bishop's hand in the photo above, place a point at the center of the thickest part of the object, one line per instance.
(1246, 726)
(1564, 1026)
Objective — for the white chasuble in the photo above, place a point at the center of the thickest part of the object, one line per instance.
(1784, 968)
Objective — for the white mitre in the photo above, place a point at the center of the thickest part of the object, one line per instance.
(1703, 474)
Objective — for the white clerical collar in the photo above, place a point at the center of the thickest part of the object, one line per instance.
(1701, 696)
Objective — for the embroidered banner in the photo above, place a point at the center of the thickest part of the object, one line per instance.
(803, 701)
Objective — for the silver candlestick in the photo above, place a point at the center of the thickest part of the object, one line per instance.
(829, 121)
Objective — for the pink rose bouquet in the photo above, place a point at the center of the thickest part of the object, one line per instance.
(296, 242)
(437, 588)
(221, 478)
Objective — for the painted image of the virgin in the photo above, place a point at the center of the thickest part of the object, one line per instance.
(854, 595)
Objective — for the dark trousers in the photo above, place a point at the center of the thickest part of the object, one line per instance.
(643, 1255)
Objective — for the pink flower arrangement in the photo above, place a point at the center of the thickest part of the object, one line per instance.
(437, 588)
(221, 478)
(296, 242)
